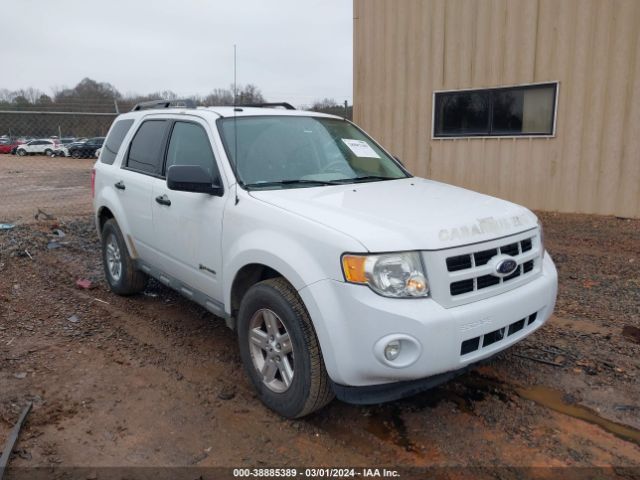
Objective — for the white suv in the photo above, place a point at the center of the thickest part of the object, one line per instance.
(342, 274)
(38, 146)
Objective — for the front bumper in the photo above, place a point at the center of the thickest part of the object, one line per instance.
(353, 325)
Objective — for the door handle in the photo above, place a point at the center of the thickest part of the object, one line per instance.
(163, 200)
(120, 185)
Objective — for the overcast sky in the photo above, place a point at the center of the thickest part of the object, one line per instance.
(293, 50)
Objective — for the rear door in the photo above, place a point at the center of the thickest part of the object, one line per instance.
(32, 146)
(188, 232)
(134, 183)
(41, 146)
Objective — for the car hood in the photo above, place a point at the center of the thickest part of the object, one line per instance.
(405, 214)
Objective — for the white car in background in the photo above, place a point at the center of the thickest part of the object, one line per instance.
(61, 151)
(38, 146)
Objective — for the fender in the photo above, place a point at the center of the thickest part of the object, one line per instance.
(274, 250)
(109, 199)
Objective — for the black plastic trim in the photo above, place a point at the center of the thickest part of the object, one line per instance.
(389, 392)
(156, 104)
(285, 105)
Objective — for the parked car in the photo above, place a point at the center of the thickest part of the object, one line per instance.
(85, 149)
(61, 151)
(342, 274)
(10, 147)
(39, 146)
(15, 146)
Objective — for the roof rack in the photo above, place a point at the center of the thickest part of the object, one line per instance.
(186, 103)
(284, 105)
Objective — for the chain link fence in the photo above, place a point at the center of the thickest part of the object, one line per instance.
(47, 153)
(45, 163)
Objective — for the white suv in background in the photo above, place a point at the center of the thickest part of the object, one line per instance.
(342, 273)
(38, 146)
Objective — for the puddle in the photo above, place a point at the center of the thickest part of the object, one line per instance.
(386, 424)
(631, 333)
(553, 399)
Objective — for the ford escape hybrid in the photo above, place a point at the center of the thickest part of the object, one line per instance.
(342, 274)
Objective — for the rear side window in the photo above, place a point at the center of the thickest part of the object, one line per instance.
(146, 152)
(189, 145)
(114, 141)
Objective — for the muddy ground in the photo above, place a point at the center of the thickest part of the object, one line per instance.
(154, 380)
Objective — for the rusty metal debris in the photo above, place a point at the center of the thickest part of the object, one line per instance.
(13, 438)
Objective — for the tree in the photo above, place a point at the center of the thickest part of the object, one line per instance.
(330, 106)
(249, 94)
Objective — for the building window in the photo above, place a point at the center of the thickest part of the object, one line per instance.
(496, 112)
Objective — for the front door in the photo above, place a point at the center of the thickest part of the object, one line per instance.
(188, 226)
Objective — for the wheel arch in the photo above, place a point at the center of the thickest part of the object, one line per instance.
(245, 278)
(109, 210)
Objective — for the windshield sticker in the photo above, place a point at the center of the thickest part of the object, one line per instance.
(360, 148)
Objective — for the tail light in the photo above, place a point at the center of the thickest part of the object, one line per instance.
(93, 183)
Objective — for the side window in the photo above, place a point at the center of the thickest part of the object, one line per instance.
(114, 141)
(145, 154)
(189, 145)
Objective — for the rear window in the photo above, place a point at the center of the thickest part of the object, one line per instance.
(114, 141)
(146, 152)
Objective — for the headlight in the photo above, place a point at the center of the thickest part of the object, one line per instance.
(397, 275)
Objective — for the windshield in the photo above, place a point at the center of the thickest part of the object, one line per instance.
(292, 152)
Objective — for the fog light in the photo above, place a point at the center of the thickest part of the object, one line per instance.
(392, 350)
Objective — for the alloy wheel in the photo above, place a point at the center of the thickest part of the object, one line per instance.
(113, 258)
(271, 350)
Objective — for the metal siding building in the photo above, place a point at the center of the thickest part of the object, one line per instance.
(405, 50)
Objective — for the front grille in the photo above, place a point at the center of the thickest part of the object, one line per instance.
(463, 286)
(475, 260)
(476, 343)
(461, 262)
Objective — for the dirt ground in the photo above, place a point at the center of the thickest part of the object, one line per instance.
(154, 380)
(61, 186)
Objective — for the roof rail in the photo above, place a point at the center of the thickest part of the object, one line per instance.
(187, 103)
(285, 105)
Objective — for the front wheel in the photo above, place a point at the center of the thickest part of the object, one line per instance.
(280, 350)
(75, 154)
(22, 153)
(119, 268)
(48, 152)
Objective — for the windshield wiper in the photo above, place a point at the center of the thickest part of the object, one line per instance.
(368, 178)
(291, 182)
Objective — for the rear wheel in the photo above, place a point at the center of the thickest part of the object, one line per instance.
(280, 350)
(75, 154)
(119, 268)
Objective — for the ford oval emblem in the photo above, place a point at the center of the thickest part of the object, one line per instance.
(506, 267)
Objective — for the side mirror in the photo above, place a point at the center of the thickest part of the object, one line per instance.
(193, 178)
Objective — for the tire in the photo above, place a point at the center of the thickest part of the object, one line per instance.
(75, 154)
(21, 152)
(309, 387)
(48, 152)
(119, 269)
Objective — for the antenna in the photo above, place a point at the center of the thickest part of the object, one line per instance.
(235, 123)
(235, 75)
